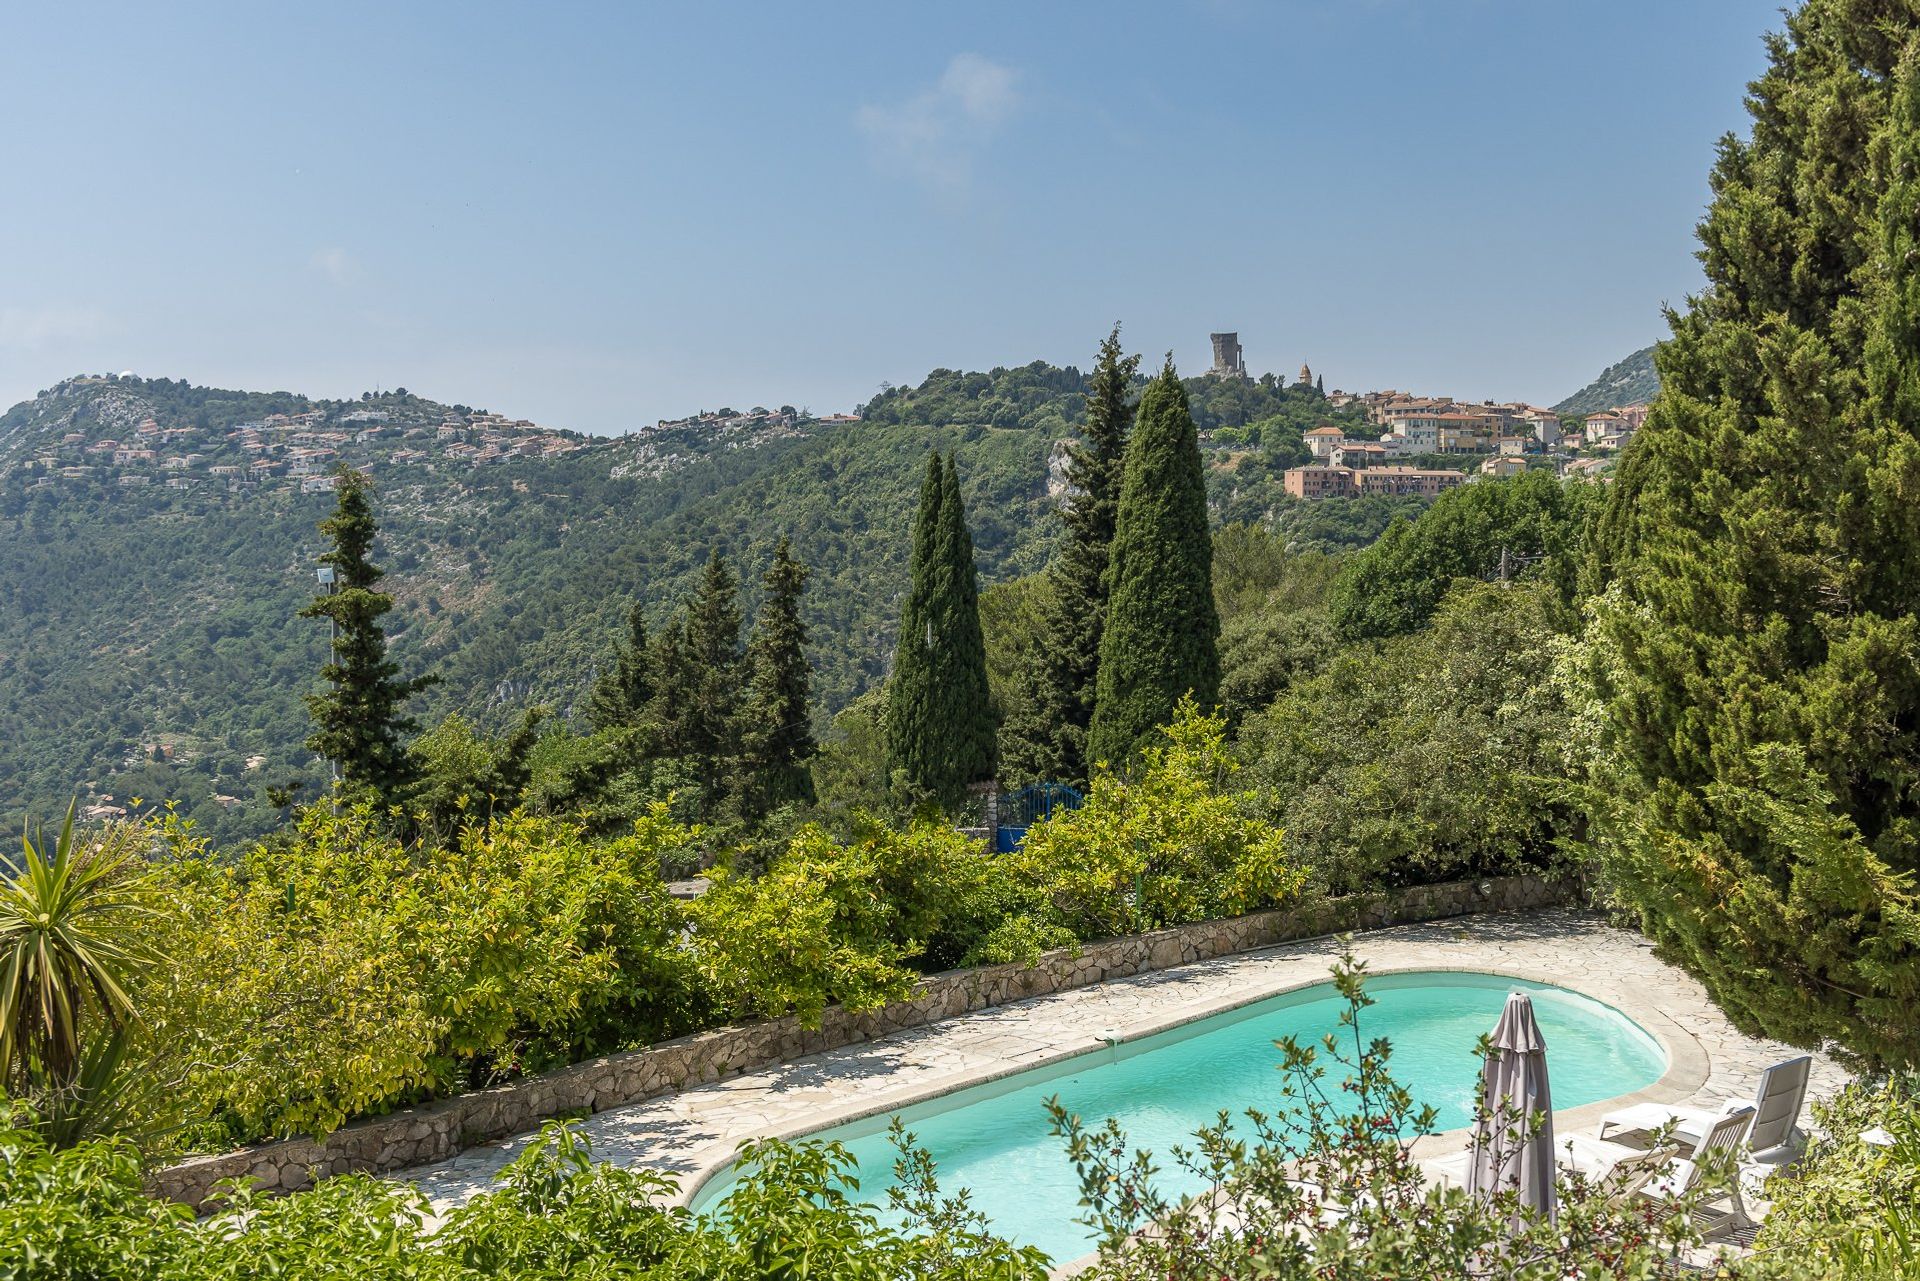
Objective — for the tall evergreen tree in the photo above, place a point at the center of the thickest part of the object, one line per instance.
(974, 726)
(940, 719)
(1047, 728)
(621, 694)
(1757, 782)
(1162, 630)
(702, 716)
(776, 733)
(361, 718)
(913, 745)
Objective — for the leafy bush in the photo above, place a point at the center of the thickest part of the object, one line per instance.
(835, 922)
(342, 971)
(1424, 757)
(1169, 845)
(1851, 1204)
(553, 1214)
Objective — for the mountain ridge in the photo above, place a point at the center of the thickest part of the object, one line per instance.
(1631, 380)
(149, 643)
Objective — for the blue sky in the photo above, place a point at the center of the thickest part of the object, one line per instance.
(596, 215)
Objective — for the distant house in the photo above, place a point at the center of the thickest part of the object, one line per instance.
(1503, 465)
(1321, 442)
(1319, 482)
(1424, 481)
(1361, 453)
(1606, 423)
(1315, 482)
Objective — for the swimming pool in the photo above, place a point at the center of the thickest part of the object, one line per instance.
(993, 1139)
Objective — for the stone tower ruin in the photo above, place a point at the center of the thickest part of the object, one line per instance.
(1227, 361)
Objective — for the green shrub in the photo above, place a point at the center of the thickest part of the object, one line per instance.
(1430, 756)
(832, 922)
(342, 971)
(1168, 845)
(553, 1214)
(1853, 1205)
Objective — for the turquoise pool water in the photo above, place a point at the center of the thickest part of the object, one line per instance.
(993, 1140)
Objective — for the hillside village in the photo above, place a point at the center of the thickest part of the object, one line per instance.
(1506, 439)
(107, 431)
(123, 438)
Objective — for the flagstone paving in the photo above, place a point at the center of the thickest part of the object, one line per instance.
(694, 1133)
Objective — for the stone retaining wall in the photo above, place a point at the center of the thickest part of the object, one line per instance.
(438, 1130)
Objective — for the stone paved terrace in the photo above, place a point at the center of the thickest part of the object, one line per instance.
(694, 1133)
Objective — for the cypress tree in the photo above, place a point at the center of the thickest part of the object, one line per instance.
(776, 721)
(1047, 731)
(621, 695)
(361, 718)
(974, 723)
(913, 736)
(703, 720)
(940, 719)
(1162, 630)
(1756, 781)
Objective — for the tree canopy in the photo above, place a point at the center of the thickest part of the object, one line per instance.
(1754, 648)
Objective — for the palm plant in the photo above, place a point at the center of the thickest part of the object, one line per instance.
(69, 952)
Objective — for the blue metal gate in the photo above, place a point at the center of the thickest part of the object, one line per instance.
(1022, 809)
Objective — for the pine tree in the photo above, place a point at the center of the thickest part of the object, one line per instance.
(1755, 786)
(1047, 729)
(360, 721)
(621, 695)
(1162, 630)
(776, 732)
(940, 719)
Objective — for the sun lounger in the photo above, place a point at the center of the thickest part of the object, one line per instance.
(1776, 1107)
(1606, 1160)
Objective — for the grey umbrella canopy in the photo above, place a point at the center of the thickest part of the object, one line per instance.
(1506, 1152)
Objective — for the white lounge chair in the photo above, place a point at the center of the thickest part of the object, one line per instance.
(1603, 1159)
(1776, 1111)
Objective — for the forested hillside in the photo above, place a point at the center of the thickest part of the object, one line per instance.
(1629, 382)
(148, 639)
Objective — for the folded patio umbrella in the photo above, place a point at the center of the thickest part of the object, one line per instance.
(1514, 1087)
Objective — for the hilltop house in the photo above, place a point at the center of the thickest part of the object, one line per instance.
(1323, 442)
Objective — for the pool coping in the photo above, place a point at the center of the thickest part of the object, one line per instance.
(1688, 1063)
